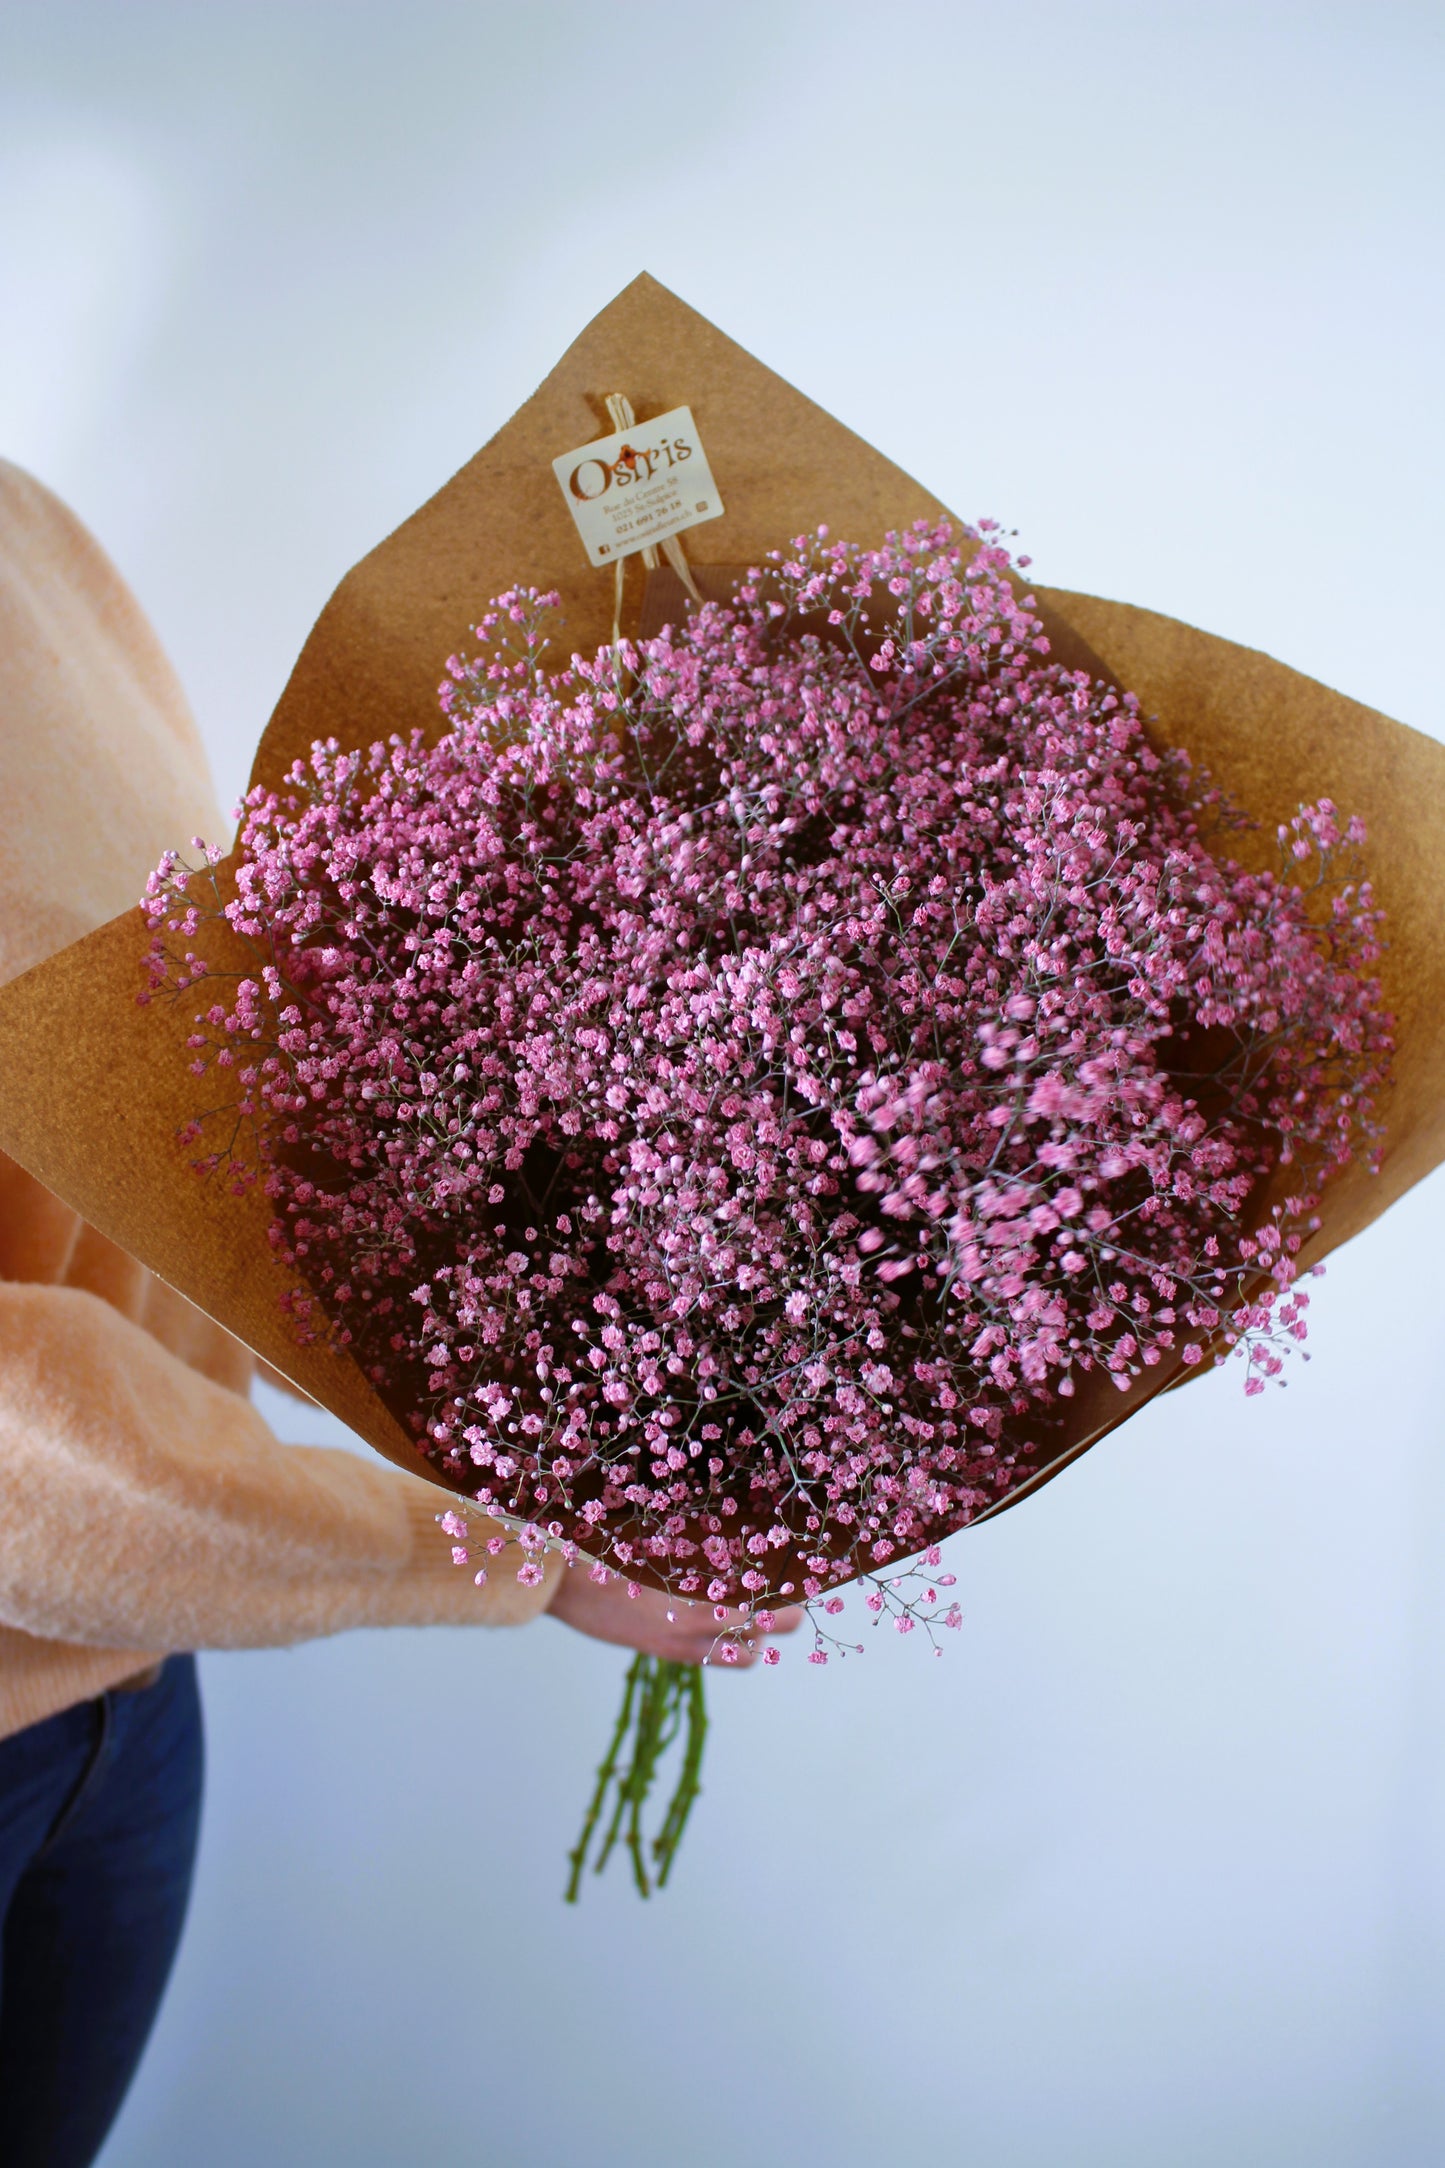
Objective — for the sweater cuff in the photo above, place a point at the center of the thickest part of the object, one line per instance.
(451, 1594)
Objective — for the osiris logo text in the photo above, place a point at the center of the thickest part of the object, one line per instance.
(592, 477)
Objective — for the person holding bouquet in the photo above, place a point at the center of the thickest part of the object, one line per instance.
(146, 1509)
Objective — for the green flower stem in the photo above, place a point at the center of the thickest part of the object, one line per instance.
(605, 1770)
(659, 1699)
(689, 1784)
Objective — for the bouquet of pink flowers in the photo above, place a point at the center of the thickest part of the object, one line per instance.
(732, 1092)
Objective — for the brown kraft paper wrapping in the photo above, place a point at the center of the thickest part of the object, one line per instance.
(93, 1088)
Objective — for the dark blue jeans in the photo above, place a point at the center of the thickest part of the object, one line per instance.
(99, 1810)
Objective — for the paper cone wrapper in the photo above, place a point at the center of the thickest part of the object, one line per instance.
(93, 1088)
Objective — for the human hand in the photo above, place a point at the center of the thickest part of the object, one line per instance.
(658, 1625)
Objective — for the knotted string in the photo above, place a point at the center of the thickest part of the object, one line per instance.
(619, 409)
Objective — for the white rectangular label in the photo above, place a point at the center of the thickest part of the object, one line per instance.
(638, 486)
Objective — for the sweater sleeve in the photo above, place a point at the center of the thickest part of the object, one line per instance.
(144, 1507)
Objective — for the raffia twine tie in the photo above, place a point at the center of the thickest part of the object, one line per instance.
(619, 410)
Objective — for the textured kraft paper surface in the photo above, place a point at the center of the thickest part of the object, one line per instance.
(93, 1088)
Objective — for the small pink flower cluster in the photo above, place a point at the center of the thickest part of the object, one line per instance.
(729, 1091)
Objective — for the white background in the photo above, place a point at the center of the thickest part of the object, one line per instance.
(1148, 1874)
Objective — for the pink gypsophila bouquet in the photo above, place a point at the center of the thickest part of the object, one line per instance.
(731, 1093)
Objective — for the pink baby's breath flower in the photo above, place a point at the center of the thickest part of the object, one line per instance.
(732, 1095)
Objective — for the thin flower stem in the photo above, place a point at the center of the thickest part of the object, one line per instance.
(659, 1698)
(605, 1771)
(668, 1838)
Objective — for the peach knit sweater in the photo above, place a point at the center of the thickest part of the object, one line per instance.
(144, 1504)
